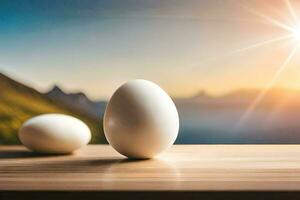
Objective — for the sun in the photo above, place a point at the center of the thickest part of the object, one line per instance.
(292, 34)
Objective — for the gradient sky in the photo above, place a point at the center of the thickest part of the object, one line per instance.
(94, 46)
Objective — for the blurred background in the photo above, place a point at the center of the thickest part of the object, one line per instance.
(231, 67)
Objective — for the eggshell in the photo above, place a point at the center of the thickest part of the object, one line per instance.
(54, 133)
(141, 120)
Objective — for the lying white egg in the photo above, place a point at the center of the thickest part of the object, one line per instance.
(54, 133)
(141, 120)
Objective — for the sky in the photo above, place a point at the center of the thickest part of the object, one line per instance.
(184, 46)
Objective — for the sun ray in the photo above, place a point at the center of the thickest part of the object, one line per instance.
(269, 86)
(252, 46)
(292, 11)
(197, 18)
(259, 44)
(272, 21)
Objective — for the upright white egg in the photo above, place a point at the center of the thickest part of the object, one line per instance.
(141, 120)
(54, 133)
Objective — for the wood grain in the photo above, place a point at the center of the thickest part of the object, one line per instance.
(182, 168)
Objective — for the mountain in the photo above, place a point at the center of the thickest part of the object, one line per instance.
(19, 102)
(79, 101)
(227, 119)
(242, 98)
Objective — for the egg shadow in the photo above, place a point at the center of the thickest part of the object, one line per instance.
(14, 154)
(103, 166)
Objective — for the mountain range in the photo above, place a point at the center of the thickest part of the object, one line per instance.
(203, 118)
(241, 117)
(243, 98)
(238, 99)
(215, 119)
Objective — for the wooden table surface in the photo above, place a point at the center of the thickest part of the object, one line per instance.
(181, 168)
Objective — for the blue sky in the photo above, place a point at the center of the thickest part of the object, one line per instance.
(94, 46)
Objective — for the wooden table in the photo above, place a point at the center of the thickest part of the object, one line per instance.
(209, 171)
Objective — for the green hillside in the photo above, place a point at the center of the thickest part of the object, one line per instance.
(19, 103)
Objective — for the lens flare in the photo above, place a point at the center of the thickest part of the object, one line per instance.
(294, 32)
